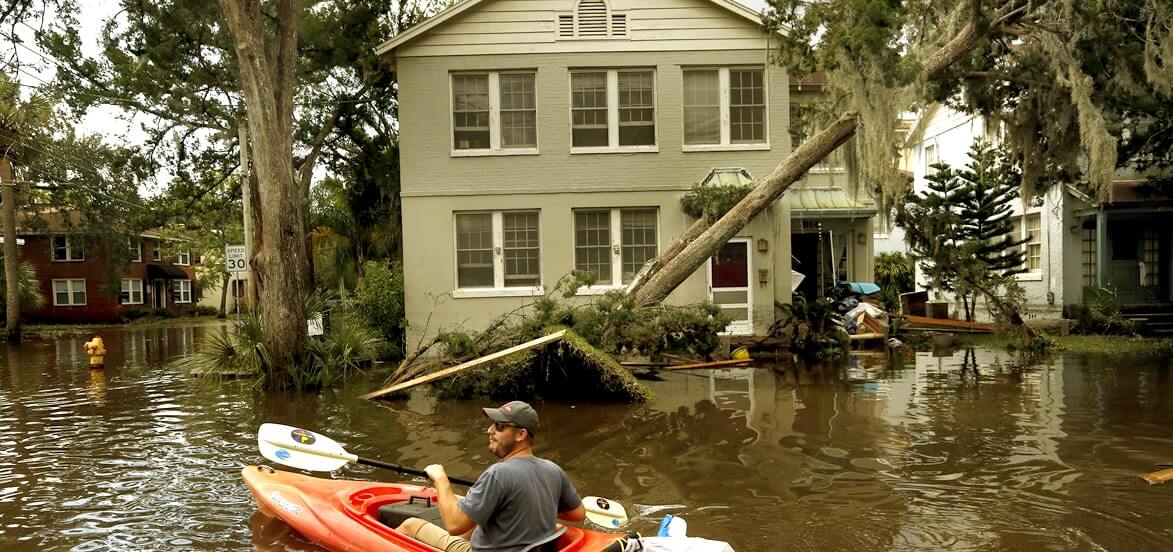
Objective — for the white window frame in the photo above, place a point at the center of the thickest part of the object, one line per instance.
(930, 147)
(495, 147)
(1023, 232)
(70, 288)
(69, 249)
(156, 251)
(128, 287)
(616, 220)
(498, 289)
(613, 112)
(136, 247)
(181, 288)
(183, 258)
(723, 91)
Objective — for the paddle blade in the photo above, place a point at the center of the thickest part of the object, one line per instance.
(604, 513)
(302, 449)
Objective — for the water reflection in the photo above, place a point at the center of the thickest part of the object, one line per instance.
(951, 450)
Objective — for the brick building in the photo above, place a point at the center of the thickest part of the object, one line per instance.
(82, 282)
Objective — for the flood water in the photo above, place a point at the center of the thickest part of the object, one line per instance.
(862, 456)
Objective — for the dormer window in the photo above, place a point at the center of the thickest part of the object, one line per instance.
(592, 19)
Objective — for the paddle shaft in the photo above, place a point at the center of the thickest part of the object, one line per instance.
(407, 470)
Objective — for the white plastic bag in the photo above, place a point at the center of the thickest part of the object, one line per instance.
(676, 544)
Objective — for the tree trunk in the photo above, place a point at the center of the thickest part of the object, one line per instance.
(267, 72)
(676, 269)
(11, 254)
(680, 267)
(653, 266)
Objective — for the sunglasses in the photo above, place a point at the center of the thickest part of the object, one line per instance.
(500, 426)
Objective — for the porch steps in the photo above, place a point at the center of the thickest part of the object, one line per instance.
(1155, 320)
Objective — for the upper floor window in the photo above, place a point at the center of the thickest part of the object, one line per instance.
(494, 112)
(724, 107)
(931, 157)
(613, 109)
(157, 251)
(68, 248)
(134, 247)
(592, 19)
(183, 258)
(498, 250)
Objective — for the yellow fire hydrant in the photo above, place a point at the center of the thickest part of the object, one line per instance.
(97, 351)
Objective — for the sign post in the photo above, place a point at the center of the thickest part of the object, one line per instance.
(235, 263)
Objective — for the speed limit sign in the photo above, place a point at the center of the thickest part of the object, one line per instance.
(234, 259)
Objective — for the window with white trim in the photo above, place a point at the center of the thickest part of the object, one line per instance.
(183, 258)
(613, 109)
(498, 250)
(494, 112)
(156, 251)
(69, 293)
(135, 247)
(132, 291)
(724, 107)
(930, 157)
(1034, 242)
(181, 290)
(613, 244)
(68, 248)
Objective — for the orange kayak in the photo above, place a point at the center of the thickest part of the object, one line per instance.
(342, 515)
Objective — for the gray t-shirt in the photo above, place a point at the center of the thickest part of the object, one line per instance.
(516, 502)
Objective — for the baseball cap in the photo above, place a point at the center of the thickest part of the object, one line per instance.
(518, 413)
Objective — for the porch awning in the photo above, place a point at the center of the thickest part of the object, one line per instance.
(826, 202)
(166, 272)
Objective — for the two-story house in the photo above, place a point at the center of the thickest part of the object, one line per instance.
(543, 136)
(81, 284)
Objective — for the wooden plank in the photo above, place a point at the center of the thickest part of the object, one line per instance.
(465, 366)
(948, 323)
(866, 336)
(1158, 476)
(714, 364)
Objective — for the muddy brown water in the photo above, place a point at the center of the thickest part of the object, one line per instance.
(956, 451)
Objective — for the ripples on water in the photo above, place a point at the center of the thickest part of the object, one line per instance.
(952, 452)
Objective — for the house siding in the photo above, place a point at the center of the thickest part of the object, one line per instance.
(429, 169)
(529, 26)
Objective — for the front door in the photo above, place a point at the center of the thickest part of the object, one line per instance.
(729, 277)
(159, 299)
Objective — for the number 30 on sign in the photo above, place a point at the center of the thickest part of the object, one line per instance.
(234, 259)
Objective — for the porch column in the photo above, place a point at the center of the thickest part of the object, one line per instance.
(1101, 247)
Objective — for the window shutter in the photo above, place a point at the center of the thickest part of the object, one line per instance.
(618, 25)
(565, 25)
(592, 18)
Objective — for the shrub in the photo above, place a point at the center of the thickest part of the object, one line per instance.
(205, 310)
(1101, 315)
(813, 329)
(379, 301)
(136, 313)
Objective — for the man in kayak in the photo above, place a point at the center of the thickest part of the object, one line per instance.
(513, 504)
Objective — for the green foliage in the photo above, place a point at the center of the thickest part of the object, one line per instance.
(895, 270)
(348, 345)
(1012, 300)
(204, 310)
(1101, 315)
(712, 201)
(29, 287)
(812, 329)
(960, 228)
(379, 301)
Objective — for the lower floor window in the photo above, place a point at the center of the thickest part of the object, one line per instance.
(132, 291)
(613, 244)
(182, 290)
(69, 293)
(498, 249)
(1089, 257)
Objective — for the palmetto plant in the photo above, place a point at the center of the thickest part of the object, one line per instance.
(28, 287)
(813, 329)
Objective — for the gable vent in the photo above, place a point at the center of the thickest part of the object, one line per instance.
(618, 24)
(592, 18)
(565, 25)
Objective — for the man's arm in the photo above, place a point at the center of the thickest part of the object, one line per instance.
(455, 520)
(576, 514)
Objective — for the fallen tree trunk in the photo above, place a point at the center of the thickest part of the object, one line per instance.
(652, 267)
(680, 266)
